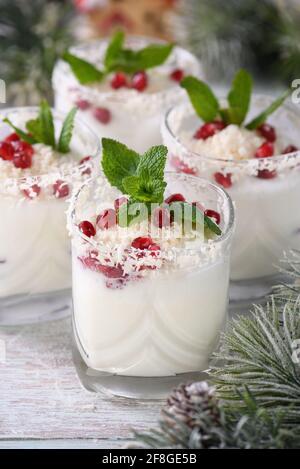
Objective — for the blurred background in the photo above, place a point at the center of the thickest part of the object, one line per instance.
(261, 35)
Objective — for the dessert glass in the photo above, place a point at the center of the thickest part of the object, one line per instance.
(138, 335)
(35, 257)
(126, 115)
(267, 209)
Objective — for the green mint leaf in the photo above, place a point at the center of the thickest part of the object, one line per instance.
(114, 48)
(202, 98)
(154, 160)
(239, 97)
(46, 124)
(144, 188)
(262, 117)
(83, 70)
(34, 128)
(66, 132)
(118, 162)
(23, 135)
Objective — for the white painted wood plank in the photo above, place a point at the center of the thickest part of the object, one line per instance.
(62, 444)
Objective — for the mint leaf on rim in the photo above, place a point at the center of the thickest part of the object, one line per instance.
(262, 117)
(202, 98)
(34, 128)
(66, 132)
(46, 124)
(114, 48)
(239, 97)
(23, 135)
(84, 71)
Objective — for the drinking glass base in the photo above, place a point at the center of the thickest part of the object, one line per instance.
(29, 309)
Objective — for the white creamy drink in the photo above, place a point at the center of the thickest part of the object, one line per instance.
(36, 181)
(149, 300)
(259, 168)
(128, 102)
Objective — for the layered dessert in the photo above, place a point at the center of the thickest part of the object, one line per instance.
(42, 158)
(248, 144)
(122, 89)
(150, 266)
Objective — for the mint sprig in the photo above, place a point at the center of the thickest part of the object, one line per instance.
(208, 108)
(118, 58)
(41, 129)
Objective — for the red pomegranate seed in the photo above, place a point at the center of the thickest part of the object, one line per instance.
(139, 81)
(265, 150)
(182, 167)
(107, 270)
(6, 151)
(266, 174)
(60, 189)
(119, 80)
(142, 242)
(175, 198)
(22, 160)
(83, 104)
(102, 115)
(82, 162)
(87, 228)
(267, 131)
(213, 214)
(223, 180)
(120, 201)
(177, 75)
(107, 219)
(209, 129)
(14, 137)
(32, 192)
(161, 217)
(23, 147)
(290, 149)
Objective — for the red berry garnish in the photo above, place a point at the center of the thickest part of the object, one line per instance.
(139, 81)
(107, 219)
(6, 151)
(32, 192)
(87, 228)
(209, 129)
(142, 242)
(213, 214)
(267, 131)
(266, 174)
(175, 198)
(109, 271)
(265, 150)
(14, 137)
(290, 149)
(60, 189)
(83, 104)
(120, 201)
(161, 217)
(22, 160)
(102, 114)
(82, 162)
(119, 80)
(223, 180)
(182, 167)
(23, 147)
(177, 75)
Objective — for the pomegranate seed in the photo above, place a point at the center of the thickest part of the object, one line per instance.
(107, 219)
(265, 150)
(177, 75)
(209, 129)
(119, 80)
(223, 180)
(175, 198)
(22, 160)
(87, 228)
(199, 206)
(60, 189)
(82, 162)
(120, 201)
(14, 137)
(142, 242)
(266, 174)
(213, 214)
(23, 147)
(6, 151)
(102, 114)
(182, 167)
(109, 271)
(267, 131)
(161, 217)
(139, 81)
(83, 104)
(32, 192)
(290, 149)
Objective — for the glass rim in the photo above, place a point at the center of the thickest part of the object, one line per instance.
(222, 239)
(56, 115)
(275, 158)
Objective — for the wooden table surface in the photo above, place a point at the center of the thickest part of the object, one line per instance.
(43, 404)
